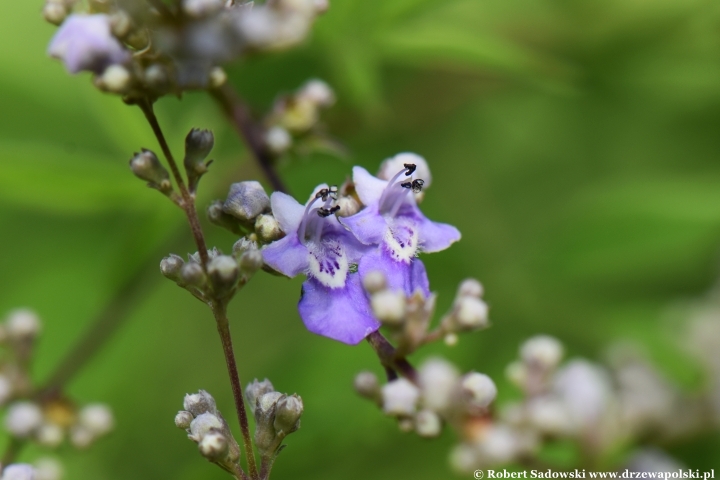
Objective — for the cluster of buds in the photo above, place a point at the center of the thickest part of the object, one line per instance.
(294, 120)
(49, 423)
(18, 333)
(209, 430)
(42, 469)
(277, 415)
(439, 396)
(145, 50)
(408, 318)
(246, 210)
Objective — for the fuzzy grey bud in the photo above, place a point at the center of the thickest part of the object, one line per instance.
(251, 261)
(400, 397)
(171, 266)
(23, 418)
(183, 419)
(257, 389)
(246, 200)
(389, 306)
(223, 272)
(55, 12)
(478, 390)
(542, 351)
(204, 424)
(214, 446)
(470, 288)
(245, 244)
(199, 403)
(97, 418)
(198, 145)
(367, 385)
(471, 313)
(193, 274)
(348, 206)
(374, 281)
(428, 424)
(48, 469)
(278, 140)
(268, 228)
(266, 439)
(287, 415)
(22, 325)
(146, 166)
(217, 215)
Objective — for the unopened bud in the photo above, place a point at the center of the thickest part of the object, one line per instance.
(267, 228)
(201, 8)
(120, 23)
(266, 438)
(97, 418)
(542, 351)
(470, 288)
(49, 435)
(321, 6)
(217, 216)
(156, 77)
(214, 446)
(6, 389)
(204, 424)
(54, 12)
(367, 385)
(246, 200)
(517, 374)
(278, 140)
(198, 145)
(438, 379)
(267, 402)
(218, 77)
(23, 418)
(81, 437)
(400, 397)
(478, 390)
(318, 92)
(183, 419)
(146, 166)
(287, 414)
(48, 469)
(348, 206)
(392, 165)
(18, 471)
(428, 424)
(193, 274)
(257, 389)
(223, 272)
(171, 266)
(471, 313)
(389, 306)
(115, 79)
(374, 281)
(251, 261)
(22, 324)
(199, 403)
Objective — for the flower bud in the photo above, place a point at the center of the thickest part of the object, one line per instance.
(374, 281)
(201, 8)
(22, 325)
(428, 424)
(400, 397)
(470, 288)
(266, 438)
(478, 390)
(367, 385)
(267, 228)
(97, 418)
(266, 404)
(18, 471)
(23, 418)
(287, 415)
(204, 424)
(198, 145)
(199, 403)
(217, 216)
(193, 274)
(389, 306)
(318, 92)
(171, 267)
(146, 166)
(223, 272)
(54, 12)
(218, 77)
(517, 374)
(278, 140)
(255, 390)
(438, 379)
(183, 419)
(251, 261)
(48, 469)
(392, 165)
(115, 79)
(6, 389)
(463, 458)
(120, 23)
(245, 244)
(156, 78)
(81, 437)
(214, 446)
(471, 313)
(348, 207)
(246, 200)
(542, 351)
(49, 435)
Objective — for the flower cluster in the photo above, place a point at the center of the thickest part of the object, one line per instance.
(339, 237)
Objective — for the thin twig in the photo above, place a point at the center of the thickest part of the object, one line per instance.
(220, 312)
(266, 466)
(389, 358)
(241, 118)
(11, 452)
(188, 201)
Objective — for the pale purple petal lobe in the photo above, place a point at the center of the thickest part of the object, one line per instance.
(400, 276)
(434, 236)
(367, 225)
(368, 187)
(287, 211)
(287, 255)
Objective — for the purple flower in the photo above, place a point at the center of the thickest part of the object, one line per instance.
(85, 42)
(392, 220)
(333, 302)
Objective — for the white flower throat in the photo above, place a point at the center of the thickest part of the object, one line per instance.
(401, 236)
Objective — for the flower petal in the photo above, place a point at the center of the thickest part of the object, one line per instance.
(435, 236)
(287, 255)
(406, 277)
(288, 212)
(368, 226)
(341, 314)
(368, 187)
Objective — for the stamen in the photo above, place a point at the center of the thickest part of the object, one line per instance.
(304, 222)
(326, 212)
(408, 170)
(415, 185)
(327, 195)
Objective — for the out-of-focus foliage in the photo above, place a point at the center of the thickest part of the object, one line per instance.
(574, 143)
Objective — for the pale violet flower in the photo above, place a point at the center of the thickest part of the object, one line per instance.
(333, 302)
(85, 42)
(18, 471)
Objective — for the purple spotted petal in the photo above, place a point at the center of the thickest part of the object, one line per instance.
(342, 314)
(368, 225)
(368, 187)
(287, 211)
(85, 42)
(407, 277)
(287, 255)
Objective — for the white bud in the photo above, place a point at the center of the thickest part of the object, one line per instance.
(500, 445)
(48, 469)
(348, 206)
(393, 165)
(54, 12)
(218, 77)
(50, 435)
(437, 378)
(81, 437)
(183, 419)
(586, 390)
(321, 6)
(367, 385)
(542, 351)
(223, 270)
(115, 79)
(428, 424)
(257, 389)
(549, 416)
(6, 389)
(478, 389)
(204, 424)
(287, 414)
(318, 92)
(472, 313)
(267, 228)
(120, 23)
(374, 281)
(23, 418)
(451, 339)
(278, 140)
(470, 288)
(400, 397)
(517, 373)
(214, 446)
(389, 306)
(200, 8)
(464, 458)
(268, 401)
(97, 418)
(18, 471)
(22, 324)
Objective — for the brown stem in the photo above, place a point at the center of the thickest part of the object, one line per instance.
(188, 201)
(11, 452)
(390, 358)
(239, 114)
(220, 312)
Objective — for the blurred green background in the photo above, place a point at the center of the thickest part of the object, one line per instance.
(573, 142)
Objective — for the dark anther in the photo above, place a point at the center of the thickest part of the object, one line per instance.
(416, 185)
(323, 194)
(410, 168)
(326, 212)
(406, 185)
